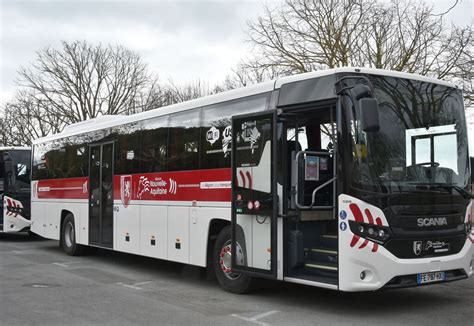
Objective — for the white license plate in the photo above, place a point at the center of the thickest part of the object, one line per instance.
(430, 277)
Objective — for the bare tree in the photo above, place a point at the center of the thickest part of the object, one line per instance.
(81, 81)
(308, 35)
(26, 118)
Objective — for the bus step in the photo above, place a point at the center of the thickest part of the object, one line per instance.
(321, 266)
(328, 241)
(322, 255)
(327, 251)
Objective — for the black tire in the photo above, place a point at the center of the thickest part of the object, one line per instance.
(68, 238)
(231, 282)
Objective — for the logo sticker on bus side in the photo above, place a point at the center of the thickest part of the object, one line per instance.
(125, 189)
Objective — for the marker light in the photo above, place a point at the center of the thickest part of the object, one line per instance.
(250, 205)
(377, 233)
(256, 204)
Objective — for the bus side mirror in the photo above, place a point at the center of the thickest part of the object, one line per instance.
(369, 110)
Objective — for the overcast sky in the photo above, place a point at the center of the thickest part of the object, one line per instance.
(182, 40)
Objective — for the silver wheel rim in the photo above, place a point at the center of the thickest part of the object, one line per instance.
(69, 235)
(225, 259)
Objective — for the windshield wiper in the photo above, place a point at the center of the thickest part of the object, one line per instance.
(464, 193)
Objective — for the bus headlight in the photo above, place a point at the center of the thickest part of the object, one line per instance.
(376, 233)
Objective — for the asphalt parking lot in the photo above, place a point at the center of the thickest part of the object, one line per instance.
(40, 285)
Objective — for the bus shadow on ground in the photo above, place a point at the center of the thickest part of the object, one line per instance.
(361, 303)
(20, 237)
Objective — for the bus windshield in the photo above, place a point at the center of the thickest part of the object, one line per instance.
(21, 169)
(422, 139)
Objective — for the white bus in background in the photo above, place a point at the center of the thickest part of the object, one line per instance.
(350, 179)
(15, 172)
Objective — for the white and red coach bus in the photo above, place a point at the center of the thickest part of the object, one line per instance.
(349, 179)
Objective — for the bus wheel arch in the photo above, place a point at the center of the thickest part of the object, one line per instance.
(67, 237)
(215, 227)
(230, 281)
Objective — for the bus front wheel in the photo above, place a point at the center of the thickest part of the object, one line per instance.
(231, 281)
(68, 237)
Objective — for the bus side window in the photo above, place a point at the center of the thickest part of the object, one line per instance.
(154, 145)
(216, 129)
(128, 151)
(183, 153)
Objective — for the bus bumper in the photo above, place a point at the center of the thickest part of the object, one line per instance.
(16, 224)
(13, 221)
(367, 266)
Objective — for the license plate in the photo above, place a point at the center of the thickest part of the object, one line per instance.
(424, 278)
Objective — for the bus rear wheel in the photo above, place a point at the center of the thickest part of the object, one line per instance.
(68, 237)
(229, 280)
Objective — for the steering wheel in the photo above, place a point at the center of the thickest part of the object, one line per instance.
(435, 164)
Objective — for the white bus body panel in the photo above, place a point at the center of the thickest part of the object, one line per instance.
(46, 216)
(127, 228)
(379, 264)
(154, 226)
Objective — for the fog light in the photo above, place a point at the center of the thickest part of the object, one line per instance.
(362, 275)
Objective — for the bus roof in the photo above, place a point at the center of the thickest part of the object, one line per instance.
(110, 121)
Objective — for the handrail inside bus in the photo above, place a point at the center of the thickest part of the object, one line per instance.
(333, 179)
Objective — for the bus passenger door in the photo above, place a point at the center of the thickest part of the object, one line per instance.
(254, 195)
(101, 197)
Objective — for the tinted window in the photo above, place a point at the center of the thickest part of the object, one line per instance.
(65, 157)
(216, 131)
(55, 159)
(21, 162)
(77, 157)
(40, 170)
(128, 148)
(183, 152)
(154, 145)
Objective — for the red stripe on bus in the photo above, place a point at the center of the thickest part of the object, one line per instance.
(68, 188)
(362, 246)
(242, 176)
(199, 185)
(369, 216)
(375, 247)
(250, 179)
(357, 213)
(355, 239)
